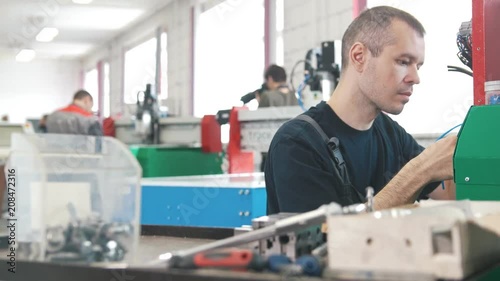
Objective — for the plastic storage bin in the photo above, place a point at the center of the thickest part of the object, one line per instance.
(77, 198)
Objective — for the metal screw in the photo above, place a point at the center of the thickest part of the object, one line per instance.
(240, 192)
(467, 179)
(247, 192)
(241, 214)
(247, 213)
(86, 248)
(369, 199)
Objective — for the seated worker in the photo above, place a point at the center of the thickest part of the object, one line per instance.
(42, 125)
(76, 118)
(277, 92)
(382, 51)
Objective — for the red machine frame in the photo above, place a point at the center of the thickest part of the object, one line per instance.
(486, 46)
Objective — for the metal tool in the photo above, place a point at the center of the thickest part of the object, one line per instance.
(227, 258)
(310, 265)
(90, 240)
(286, 225)
(293, 244)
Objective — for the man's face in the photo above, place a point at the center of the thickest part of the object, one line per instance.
(89, 103)
(388, 79)
(271, 84)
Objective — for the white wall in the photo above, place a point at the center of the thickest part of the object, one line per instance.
(175, 19)
(29, 90)
(308, 23)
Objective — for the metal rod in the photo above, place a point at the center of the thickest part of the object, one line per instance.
(280, 227)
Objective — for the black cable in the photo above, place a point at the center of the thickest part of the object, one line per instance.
(459, 69)
(464, 44)
(293, 72)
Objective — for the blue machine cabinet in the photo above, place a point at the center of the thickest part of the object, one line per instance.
(203, 201)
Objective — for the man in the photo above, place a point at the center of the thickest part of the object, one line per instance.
(76, 118)
(277, 92)
(382, 51)
(42, 125)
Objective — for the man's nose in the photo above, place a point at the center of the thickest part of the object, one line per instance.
(412, 76)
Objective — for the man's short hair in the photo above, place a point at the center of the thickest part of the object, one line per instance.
(372, 28)
(81, 94)
(276, 72)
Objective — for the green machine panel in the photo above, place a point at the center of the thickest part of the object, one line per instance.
(477, 155)
(166, 161)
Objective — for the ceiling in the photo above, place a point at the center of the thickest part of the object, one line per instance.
(81, 27)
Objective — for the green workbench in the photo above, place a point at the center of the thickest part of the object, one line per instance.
(165, 161)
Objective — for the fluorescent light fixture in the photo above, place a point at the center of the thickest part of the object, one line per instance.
(25, 55)
(47, 34)
(82, 1)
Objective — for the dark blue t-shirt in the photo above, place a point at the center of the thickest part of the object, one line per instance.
(299, 173)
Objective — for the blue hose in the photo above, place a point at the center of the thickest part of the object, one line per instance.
(444, 135)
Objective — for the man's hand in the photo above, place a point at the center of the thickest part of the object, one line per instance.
(434, 164)
(437, 159)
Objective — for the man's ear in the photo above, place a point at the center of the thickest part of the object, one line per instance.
(357, 56)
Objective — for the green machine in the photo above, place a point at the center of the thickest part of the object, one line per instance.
(166, 161)
(477, 155)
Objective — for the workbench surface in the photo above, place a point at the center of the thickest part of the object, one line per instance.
(150, 247)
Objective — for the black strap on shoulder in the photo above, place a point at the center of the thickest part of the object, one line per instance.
(334, 148)
(333, 143)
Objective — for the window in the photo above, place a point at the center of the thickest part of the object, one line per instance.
(163, 90)
(280, 23)
(229, 55)
(140, 65)
(106, 99)
(91, 86)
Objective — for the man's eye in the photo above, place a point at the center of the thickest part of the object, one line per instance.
(403, 62)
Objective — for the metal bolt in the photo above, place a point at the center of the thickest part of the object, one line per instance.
(241, 214)
(247, 213)
(112, 245)
(247, 192)
(98, 252)
(116, 229)
(467, 179)
(56, 239)
(240, 192)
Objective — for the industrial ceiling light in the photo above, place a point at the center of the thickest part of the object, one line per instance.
(82, 1)
(25, 55)
(47, 34)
